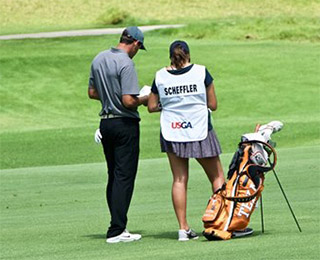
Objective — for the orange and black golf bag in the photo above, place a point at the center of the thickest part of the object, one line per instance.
(230, 208)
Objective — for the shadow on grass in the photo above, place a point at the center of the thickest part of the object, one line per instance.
(173, 235)
(163, 235)
(96, 236)
(255, 234)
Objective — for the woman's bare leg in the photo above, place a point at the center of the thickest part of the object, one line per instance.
(213, 168)
(180, 171)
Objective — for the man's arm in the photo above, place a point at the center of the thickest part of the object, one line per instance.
(93, 93)
(130, 101)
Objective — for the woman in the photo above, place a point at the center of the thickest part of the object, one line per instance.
(183, 92)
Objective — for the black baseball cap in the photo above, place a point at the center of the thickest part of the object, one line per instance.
(136, 33)
(184, 46)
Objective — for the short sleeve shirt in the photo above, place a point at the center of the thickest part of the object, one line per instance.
(113, 75)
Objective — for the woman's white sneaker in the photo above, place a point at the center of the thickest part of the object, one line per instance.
(125, 236)
(185, 235)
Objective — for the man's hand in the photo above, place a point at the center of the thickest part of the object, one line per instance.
(144, 95)
(97, 136)
(144, 100)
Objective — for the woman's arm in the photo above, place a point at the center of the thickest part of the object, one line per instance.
(153, 103)
(211, 98)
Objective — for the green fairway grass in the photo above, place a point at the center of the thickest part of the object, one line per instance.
(264, 57)
(47, 118)
(59, 212)
(223, 19)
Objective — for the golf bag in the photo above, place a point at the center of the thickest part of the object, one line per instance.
(230, 208)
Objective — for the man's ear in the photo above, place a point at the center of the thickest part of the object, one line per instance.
(136, 43)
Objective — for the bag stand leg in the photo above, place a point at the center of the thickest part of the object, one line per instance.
(261, 211)
(284, 195)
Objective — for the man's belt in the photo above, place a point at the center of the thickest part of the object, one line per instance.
(109, 116)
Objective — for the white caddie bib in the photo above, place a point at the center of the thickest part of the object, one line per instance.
(184, 115)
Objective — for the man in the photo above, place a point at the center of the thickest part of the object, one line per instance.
(113, 81)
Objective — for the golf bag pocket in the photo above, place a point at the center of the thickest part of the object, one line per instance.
(213, 210)
(215, 217)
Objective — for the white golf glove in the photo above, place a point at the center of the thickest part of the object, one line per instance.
(145, 91)
(97, 136)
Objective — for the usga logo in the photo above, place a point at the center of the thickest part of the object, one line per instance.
(183, 125)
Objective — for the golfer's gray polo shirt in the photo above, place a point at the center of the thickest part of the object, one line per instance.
(113, 75)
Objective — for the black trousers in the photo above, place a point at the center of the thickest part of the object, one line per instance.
(120, 140)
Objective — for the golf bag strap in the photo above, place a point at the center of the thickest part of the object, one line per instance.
(246, 198)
